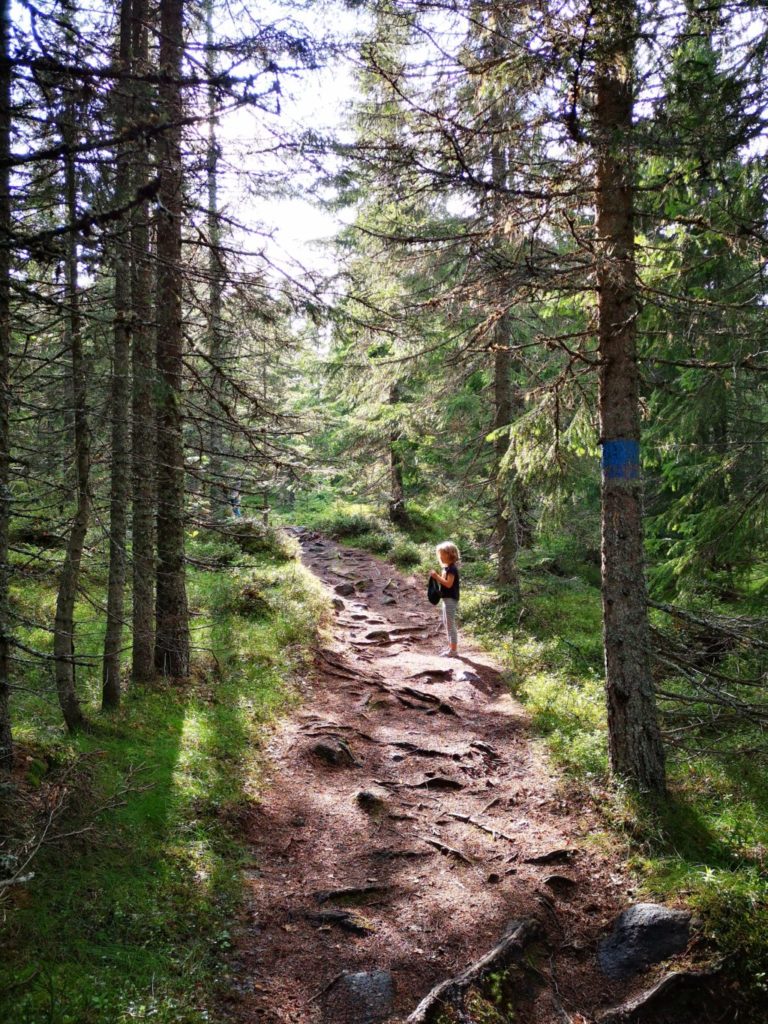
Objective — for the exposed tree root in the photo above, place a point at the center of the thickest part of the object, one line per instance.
(451, 993)
(444, 848)
(490, 829)
(346, 919)
(671, 986)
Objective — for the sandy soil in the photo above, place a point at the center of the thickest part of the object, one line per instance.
(443, 848)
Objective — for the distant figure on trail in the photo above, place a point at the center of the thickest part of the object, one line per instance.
(234, 500)
(448, 556)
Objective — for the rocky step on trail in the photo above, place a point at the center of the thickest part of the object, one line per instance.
(414, 856)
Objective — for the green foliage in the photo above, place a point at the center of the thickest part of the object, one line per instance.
(709, 844)
(405, 554)
(336, 517)
(553, 654)
(254, 538)
(734, 909)
(133, 921)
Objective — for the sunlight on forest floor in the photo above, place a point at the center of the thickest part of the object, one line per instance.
(135, 923)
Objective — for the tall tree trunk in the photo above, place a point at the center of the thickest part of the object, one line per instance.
(506, 530)
(143, 383)
(217, 491)
(636, 750)
(172, 625)
(506, 525)
(398, 513)
(120, 468)
(64, 627)
(6, 739)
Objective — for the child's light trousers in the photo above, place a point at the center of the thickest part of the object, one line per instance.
(450, 605)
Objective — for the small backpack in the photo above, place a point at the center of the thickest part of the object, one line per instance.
(433, 591)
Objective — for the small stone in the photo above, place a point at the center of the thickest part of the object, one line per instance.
(365, 997)
(377, 634)
(371, 801)
(338, 604)
(336, 754)
(644, 934)
(468, 676)
(345, 589)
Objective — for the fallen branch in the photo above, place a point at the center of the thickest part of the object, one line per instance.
(325, 988)
(56, 799)
(734, 626)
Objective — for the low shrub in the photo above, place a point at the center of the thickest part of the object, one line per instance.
(405, 554)
(253, 538)
(377, 541)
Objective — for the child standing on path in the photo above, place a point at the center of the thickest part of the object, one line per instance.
(448, 554)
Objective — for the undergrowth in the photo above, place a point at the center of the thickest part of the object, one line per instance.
(131, 920)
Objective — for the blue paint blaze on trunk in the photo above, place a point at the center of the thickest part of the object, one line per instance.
(621, 459)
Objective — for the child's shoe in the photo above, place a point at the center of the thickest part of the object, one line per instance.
(449, 653)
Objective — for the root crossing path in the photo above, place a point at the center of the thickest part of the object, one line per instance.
(408, 825)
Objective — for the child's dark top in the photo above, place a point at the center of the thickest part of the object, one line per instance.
(452, 591)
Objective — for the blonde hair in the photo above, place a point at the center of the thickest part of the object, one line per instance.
(448, 548)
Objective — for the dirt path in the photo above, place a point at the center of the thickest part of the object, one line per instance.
(412, 780)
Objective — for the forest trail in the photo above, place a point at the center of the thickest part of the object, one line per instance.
(407, 819)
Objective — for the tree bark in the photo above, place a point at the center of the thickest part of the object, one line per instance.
(636, 751)
(398, 513)
(6, 737)
(217, 486)
(64, 626)
(143, 383)
(506, 519)
(172, 626)
(507, 538)
(120, 391)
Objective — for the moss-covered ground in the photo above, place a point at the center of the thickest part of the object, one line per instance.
(130, 918)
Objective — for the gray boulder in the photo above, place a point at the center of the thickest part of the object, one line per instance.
(642, 935)
(363, 998)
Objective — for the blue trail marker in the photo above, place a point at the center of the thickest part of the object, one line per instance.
(621, 459)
